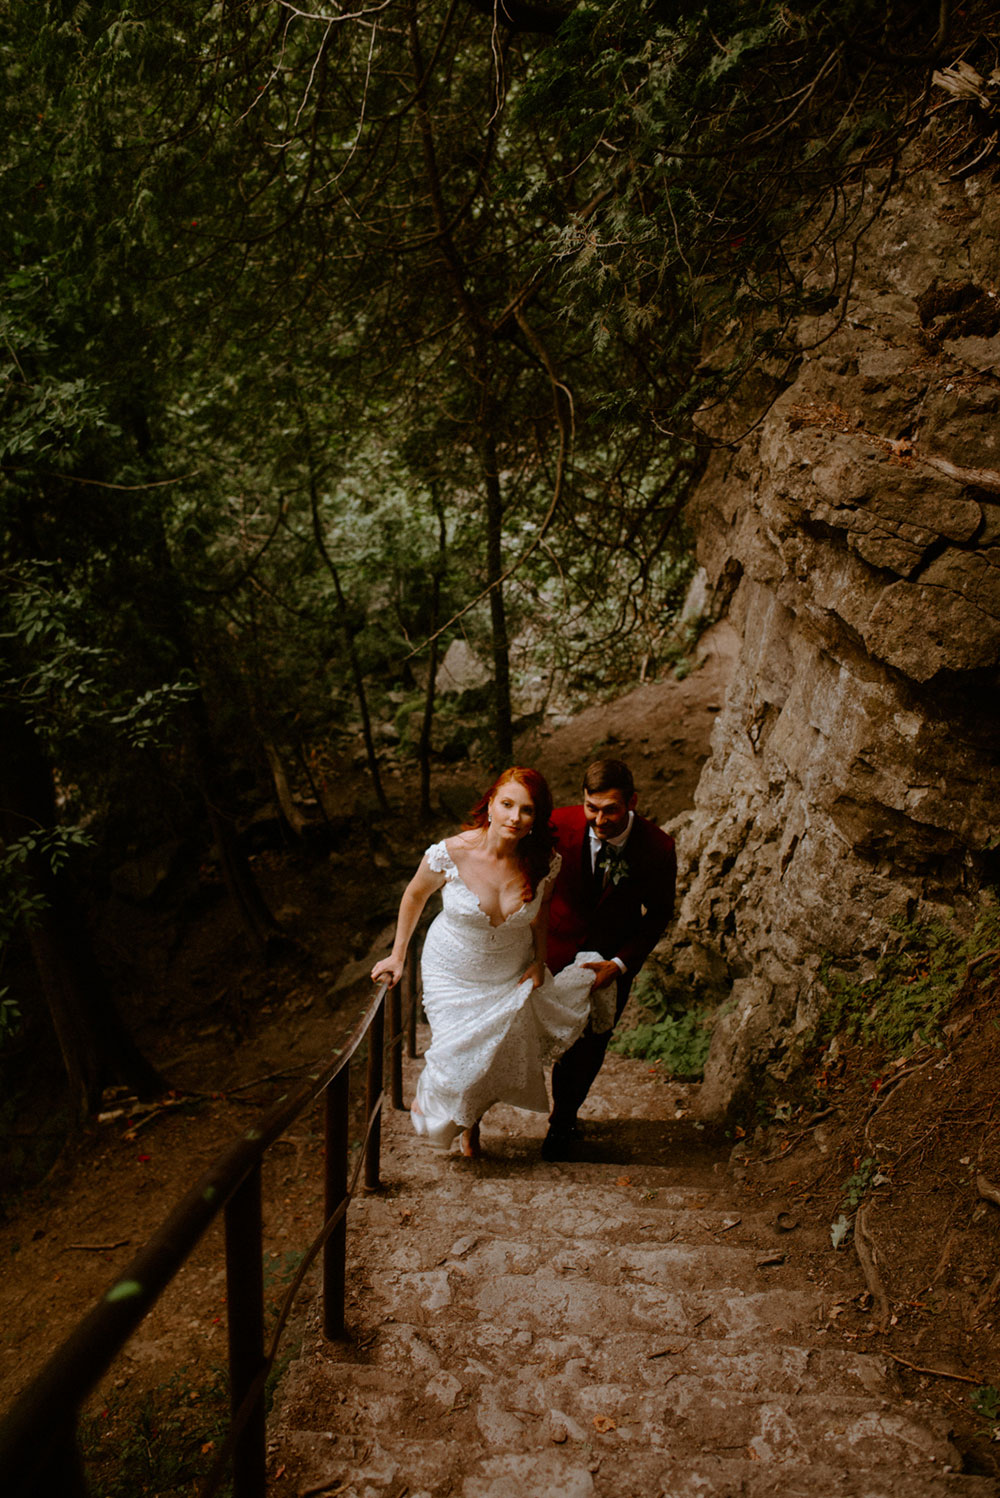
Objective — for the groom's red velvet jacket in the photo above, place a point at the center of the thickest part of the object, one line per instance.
(628, 918)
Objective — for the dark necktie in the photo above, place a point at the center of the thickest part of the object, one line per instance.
(599, 865)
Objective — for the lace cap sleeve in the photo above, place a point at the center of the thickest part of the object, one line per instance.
(439, 860)
(555, 864)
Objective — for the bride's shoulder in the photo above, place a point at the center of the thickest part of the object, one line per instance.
(438, 857)
(463, 842)
(441, 856)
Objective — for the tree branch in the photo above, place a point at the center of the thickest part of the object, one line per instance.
(521, 15)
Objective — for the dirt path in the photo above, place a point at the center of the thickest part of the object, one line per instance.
(662, 729)
(632, 1324)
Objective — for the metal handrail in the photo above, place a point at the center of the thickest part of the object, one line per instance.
(39, 1453)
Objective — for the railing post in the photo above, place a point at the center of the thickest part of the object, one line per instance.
(68, 1476)
(55, 1466)
(376, 1067)
(396, 1041)
(412, 1001)
(335, 1249)
(245, 1300)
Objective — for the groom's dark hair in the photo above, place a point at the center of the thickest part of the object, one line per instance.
(609, 775)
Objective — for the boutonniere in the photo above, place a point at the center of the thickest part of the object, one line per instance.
(616, 865)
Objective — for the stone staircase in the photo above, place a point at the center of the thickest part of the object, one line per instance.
(631, 1325)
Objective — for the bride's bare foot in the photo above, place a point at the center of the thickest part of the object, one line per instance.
(469, 1143)
(416, 1108)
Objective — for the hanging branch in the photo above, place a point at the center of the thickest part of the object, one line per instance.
(522, 16)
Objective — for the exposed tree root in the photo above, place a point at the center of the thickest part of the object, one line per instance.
(987, 1189)
(964, 1378)
(865, 1247)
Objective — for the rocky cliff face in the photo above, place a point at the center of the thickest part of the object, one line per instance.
(853, 774)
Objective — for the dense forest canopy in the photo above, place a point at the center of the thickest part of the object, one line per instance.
(332, 334)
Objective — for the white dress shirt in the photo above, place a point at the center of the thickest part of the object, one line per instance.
(596, 843)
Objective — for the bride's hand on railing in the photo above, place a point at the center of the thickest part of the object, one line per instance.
(536, 972)
(389, 970)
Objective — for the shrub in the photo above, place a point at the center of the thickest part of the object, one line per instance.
(907, 998)
(673, 1031)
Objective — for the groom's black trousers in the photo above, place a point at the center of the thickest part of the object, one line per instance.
(574, 1072)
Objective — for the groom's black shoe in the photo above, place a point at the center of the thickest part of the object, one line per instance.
(561, 1142)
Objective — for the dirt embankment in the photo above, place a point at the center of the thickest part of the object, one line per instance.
(899, 1159)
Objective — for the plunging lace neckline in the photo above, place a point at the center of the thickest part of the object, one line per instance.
(495, 925)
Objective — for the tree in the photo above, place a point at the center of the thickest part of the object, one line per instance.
(327, 335)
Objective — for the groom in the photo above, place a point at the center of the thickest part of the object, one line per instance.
(614, 895)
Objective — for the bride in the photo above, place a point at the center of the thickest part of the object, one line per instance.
(495, 1011)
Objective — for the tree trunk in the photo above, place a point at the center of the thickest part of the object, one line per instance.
(344, 625)
(503, 723)
(424, 747)
(244, 891)
(95, 1045)
(481, 339)
(314, 786)
(359, 685)
(294, 819)
(251, 907)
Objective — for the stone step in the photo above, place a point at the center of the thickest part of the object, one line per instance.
(539, 1302)
(681, 1266)
(473, 1211)
(363, 1467)
(525, 1411)
(520, 1179)
(554, 1474)
(410, 1352)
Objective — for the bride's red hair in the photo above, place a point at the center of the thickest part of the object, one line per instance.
(535, 850)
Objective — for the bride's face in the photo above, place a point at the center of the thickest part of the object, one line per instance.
(512, 811)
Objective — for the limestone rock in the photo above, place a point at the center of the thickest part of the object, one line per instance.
(854, 768)
(461, 670)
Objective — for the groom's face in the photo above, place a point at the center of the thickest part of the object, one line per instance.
(607, 812)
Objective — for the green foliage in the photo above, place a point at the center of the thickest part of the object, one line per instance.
(907, 998)
(318, 338)
(679, 1043)
(20, 899)
(986, 1402)
(71, 685)
(678, 653)
(10, 1012)
(856, 1186)
(161, 1444)
(676, 1034)
(713, 170)
(863, 1179)
(164, 1441)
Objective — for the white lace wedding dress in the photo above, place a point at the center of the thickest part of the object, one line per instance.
(490, 1033)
